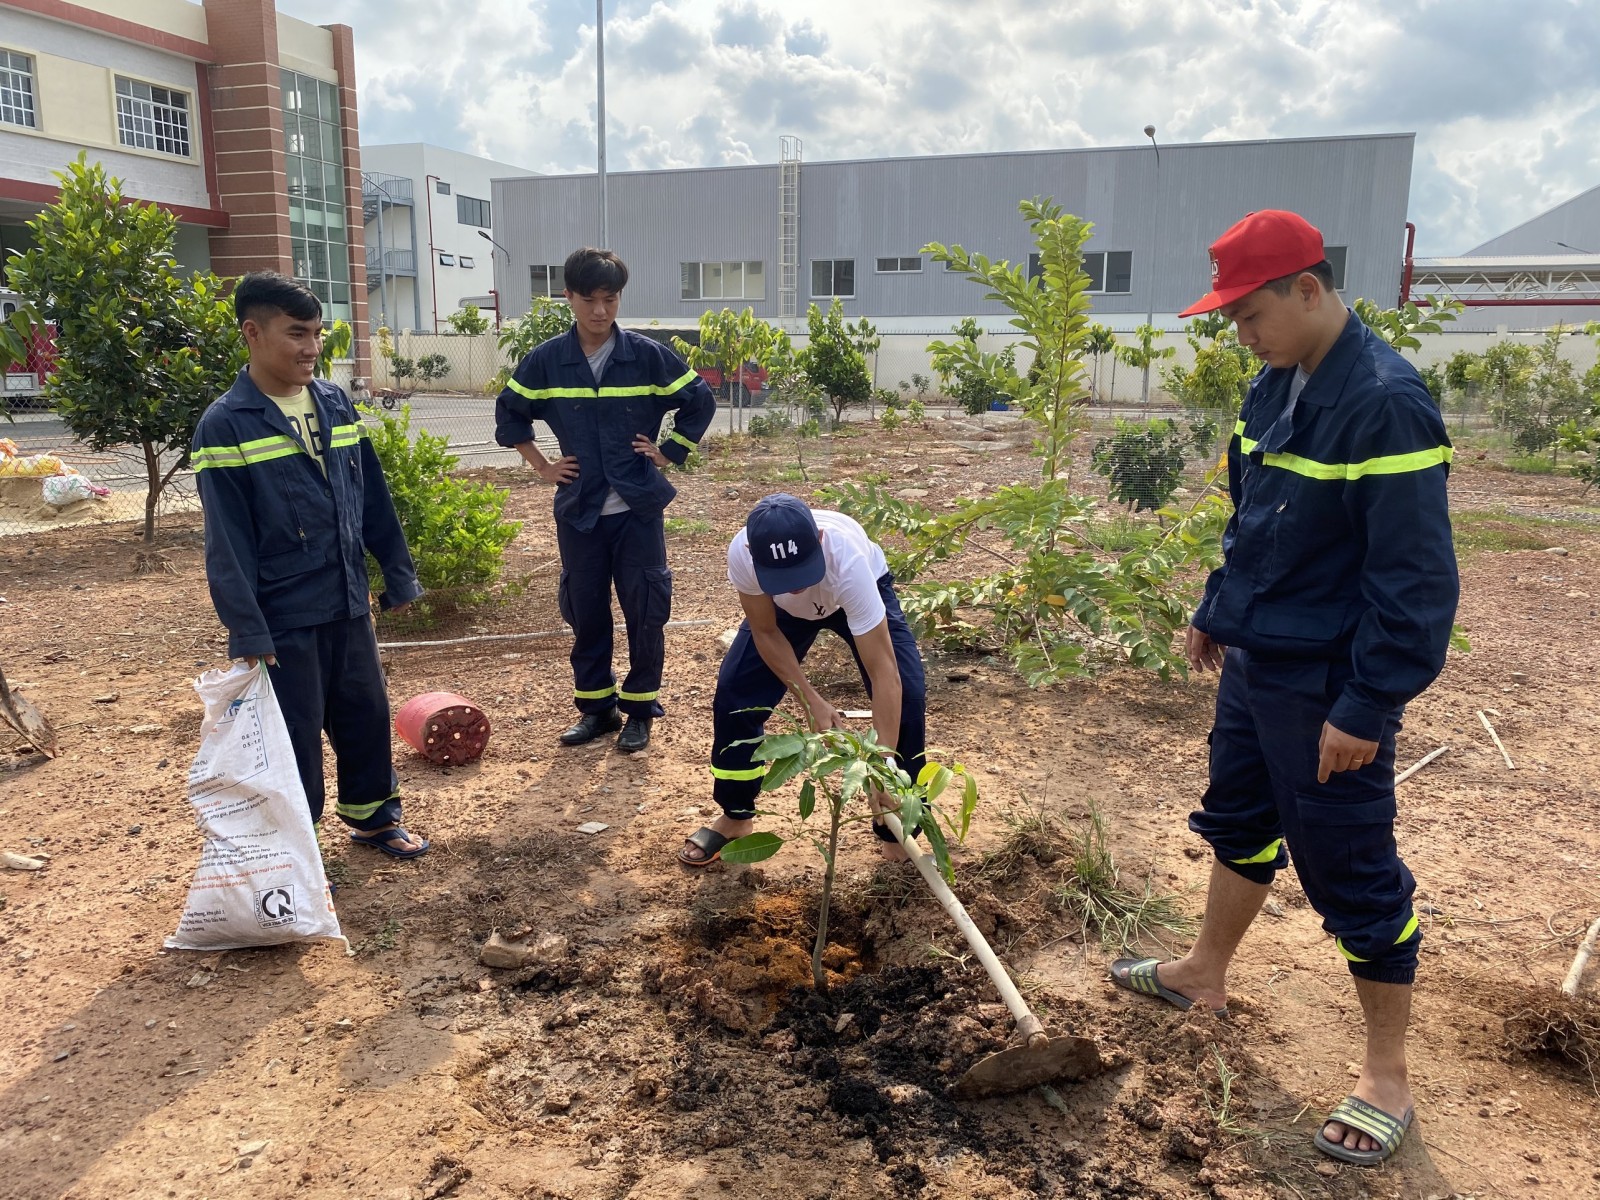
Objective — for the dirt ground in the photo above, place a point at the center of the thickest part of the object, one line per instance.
(659, 1047)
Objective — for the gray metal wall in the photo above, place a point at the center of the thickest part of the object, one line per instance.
(1354, 189)
(1575, 222)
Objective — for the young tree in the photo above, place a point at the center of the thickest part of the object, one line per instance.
(965, 383)
(142, 348)
(469, 322)
(728, 340)
(1098, 342)
(1144, 354)
(545, 319)
(833, 360)
(1057, 603)
(1222, 370)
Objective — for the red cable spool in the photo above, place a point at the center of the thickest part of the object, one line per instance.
(443, 727)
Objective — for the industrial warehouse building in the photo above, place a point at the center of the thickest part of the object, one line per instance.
(778, 237)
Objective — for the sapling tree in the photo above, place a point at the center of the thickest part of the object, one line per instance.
(546, 318)
(142, 346)
(849, 777)
(1056, 602)
(833, 358)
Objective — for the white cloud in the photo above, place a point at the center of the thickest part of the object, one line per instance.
(1503, 100)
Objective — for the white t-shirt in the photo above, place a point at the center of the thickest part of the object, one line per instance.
(854, 564)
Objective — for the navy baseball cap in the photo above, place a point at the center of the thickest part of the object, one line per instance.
(785, 545)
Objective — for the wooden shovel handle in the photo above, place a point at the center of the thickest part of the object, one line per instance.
(1028, 1025)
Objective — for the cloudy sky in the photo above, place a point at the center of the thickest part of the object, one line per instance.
(1504, 97)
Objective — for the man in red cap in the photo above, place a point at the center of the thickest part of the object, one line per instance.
(1332, 609)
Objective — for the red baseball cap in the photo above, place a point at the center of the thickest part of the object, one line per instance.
(1266, 245)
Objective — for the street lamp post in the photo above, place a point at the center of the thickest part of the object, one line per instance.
(1155, 222)
(494, 264)
(600, 115)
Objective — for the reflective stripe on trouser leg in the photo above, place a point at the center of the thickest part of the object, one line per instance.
(359, 728)
(747, 691)
(644, 590)
(1339, 833)
(585, 599)
(1238, 814)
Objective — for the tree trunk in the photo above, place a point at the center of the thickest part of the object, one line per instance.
(819, 974)
(152, 469)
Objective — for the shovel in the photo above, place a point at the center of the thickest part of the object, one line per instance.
(19, 713)
(1042, 1057)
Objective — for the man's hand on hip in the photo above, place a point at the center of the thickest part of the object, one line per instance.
(563, 470)
(645, 446)
(1338, 751)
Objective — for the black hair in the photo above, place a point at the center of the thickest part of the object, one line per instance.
(1284, 284)
(263, 294)
(589, 270)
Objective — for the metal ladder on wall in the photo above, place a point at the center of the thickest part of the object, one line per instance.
(789, 148)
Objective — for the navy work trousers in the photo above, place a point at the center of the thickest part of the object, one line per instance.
(1264, 796)
(329, 680)
(747, 692)
(626, 550)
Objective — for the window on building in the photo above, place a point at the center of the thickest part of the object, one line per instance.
(1035, 267)
(152, 118)
(16, 90)
(472, 212)
(446, 260)
(549, 280)
(833, 277)
(441, 187)
(899, 266)
(1336, 260)
(466, 261)
(314, 164)
(744, 280)
(1108, 270)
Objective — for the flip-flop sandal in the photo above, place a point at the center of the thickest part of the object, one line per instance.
(1355, 1113)
(379, 839)
(709, 842)
(1139, 975)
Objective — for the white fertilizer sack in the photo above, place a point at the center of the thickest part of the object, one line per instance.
(260, 880)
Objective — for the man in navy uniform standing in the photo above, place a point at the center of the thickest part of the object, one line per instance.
(604, 392)
(1332, 609)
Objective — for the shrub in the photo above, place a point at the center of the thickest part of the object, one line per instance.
(456, 529)
(832, 359)
(890, 419)
(469, 322)
(433, 366)
(1143, 460)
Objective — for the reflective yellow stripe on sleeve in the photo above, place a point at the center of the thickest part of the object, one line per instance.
(675, 436)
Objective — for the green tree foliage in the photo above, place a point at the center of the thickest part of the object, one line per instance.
(1222, 370)
(1401, 326)
(833, 359)
(1143, 460)
(1057, 603)
(1098, 342)
(456, 529)
(469, 322)
(1532, 391)
(336, 342)
(728, 340)
(1144, 352)
(432, 366)
(545, 319)
(141, 348)
(965, 382)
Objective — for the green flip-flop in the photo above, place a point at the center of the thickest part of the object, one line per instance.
(1139, 975)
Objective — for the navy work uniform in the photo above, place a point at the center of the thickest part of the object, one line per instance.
(609, 521)
(286, 565)
(856, 595)
(1335, 600)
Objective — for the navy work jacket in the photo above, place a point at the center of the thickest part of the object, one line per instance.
(286, 545)
(596, 420)
(1339, 545)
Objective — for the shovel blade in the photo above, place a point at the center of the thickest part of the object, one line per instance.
(27, 720)
(1021, 1068)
